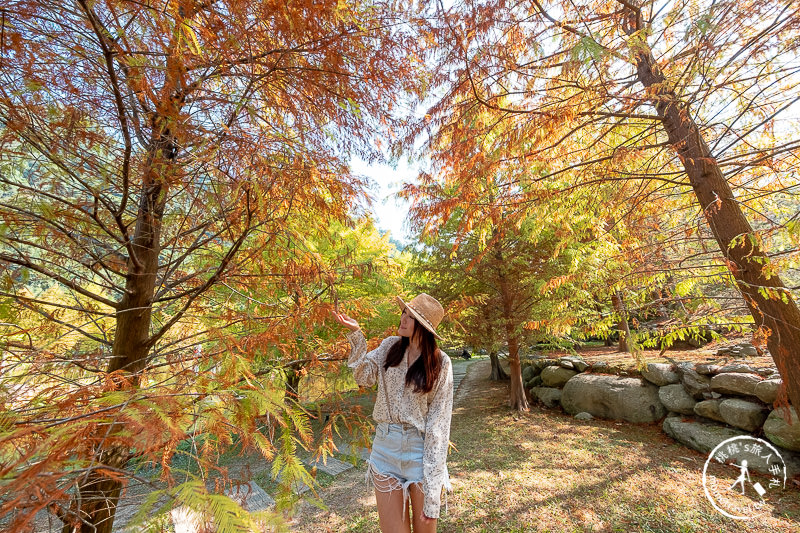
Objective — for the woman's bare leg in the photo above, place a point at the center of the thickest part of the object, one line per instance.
(393, 515)
(417, 504)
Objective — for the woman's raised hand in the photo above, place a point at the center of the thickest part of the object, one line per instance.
(345, 320)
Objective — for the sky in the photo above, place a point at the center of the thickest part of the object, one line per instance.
(390, 212)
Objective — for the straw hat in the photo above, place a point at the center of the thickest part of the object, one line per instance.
(426, 309)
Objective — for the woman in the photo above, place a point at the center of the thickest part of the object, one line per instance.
(412, 412)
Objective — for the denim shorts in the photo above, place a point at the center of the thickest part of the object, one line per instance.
(397, 452)
(396, 459)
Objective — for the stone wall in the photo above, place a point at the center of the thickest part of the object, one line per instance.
(698, 405)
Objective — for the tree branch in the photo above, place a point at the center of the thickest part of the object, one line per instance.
(27, 263)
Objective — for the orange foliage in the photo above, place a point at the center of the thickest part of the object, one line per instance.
(158, 159)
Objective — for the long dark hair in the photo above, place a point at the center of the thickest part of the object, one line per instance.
(425, 370)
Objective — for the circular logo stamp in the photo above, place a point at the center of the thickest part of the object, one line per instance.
(745, 498)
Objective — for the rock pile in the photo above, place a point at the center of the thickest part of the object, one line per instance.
(741, 350)
(700, 404)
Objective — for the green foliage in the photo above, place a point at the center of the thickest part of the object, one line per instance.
(588, 50)
(197, 504)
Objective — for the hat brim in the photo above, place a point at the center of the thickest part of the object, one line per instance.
(424, 323)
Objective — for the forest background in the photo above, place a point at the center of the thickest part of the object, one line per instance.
(178, 215)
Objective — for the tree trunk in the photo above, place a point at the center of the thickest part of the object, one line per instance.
(131, 340)
(498, 373)
(770, 304)
(292, 388)
(93, 511)
(622, 325)
(516, 396)
(97, 494)
(516, 399)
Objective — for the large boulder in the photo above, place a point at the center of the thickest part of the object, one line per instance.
(549, 396)
(706, 369)
(704, 437)
(528, 372)
(744, 349)
(504, 364)
(695, 384)
(709, 409)
(742, 414)
(534, 382)
(565, 363)
(606, 396)
(780, 432)
(580, 366)
(701, 436)
(555, 376)
(767, 390)
(737, 368)
(676, 399)
(748, 350)
(660, 374)
(735, 383)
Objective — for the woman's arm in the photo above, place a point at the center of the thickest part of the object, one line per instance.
(365, 365)
(437, 440)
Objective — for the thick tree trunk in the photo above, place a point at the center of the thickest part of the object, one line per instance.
(622, 325)
(94, 510)
(770, 304)
(131, 340)
(498, 373)
(516, 397)
(97, 494)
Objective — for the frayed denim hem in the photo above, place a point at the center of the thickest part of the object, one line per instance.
(384, 483)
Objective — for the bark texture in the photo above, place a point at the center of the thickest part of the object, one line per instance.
(516, 396)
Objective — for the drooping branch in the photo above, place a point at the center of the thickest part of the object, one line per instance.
(27, 263)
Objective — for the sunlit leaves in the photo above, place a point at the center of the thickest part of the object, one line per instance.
(573, 107)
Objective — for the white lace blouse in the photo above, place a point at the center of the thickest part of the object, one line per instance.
(430, 412)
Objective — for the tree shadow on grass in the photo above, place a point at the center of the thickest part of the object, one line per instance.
(617, 476)
(499, 516)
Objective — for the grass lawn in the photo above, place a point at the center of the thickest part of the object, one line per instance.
(545, 471)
